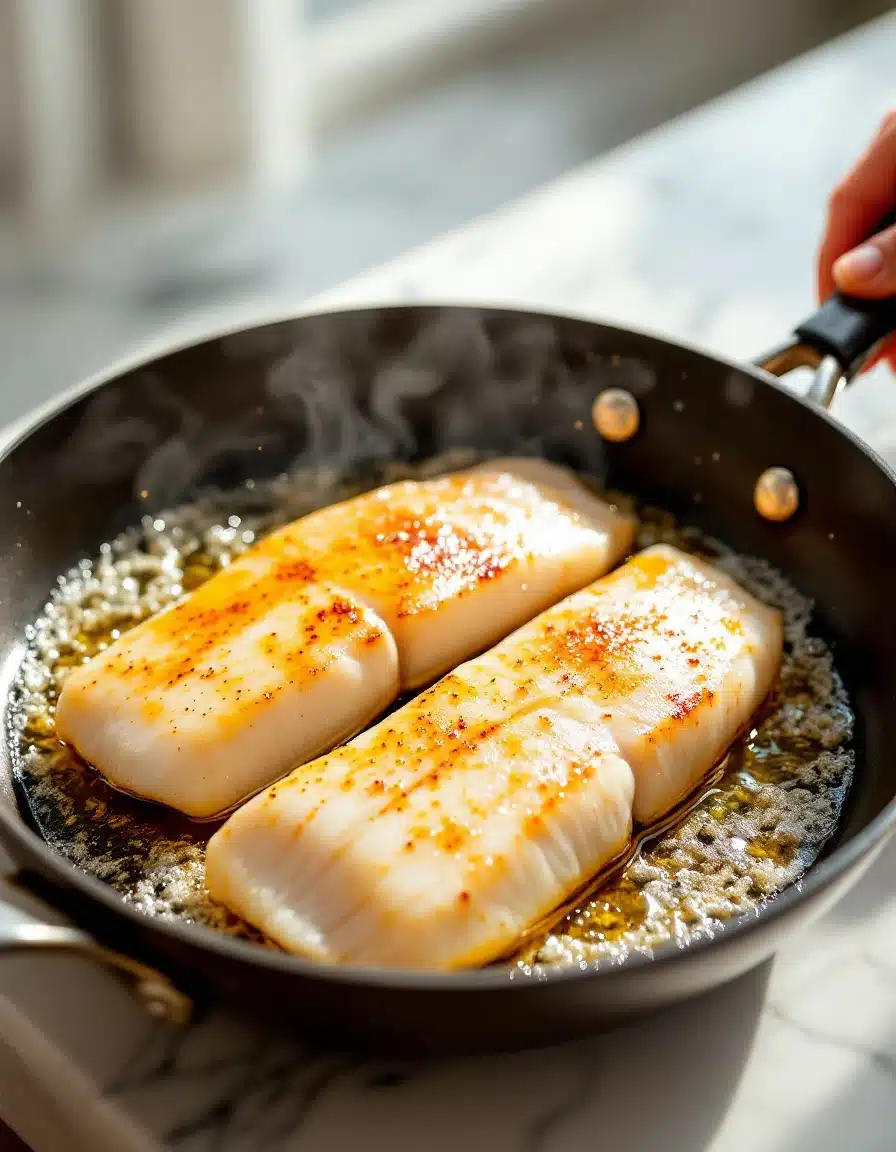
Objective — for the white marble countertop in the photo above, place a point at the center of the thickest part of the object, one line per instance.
(704, 230)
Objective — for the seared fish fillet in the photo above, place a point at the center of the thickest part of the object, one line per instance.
(211, 700)
(439, 836)
(436, 837)
(455, 563)
(678, 656)
(310, 635)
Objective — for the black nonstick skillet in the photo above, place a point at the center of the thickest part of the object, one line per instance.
(347, 389)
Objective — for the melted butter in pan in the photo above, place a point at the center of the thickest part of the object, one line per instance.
(751, 831)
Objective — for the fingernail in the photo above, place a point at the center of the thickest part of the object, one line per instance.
(862, 263)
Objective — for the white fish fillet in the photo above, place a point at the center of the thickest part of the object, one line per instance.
(211, 700)
(440, 835)
(311, 634)
(678, 656)
(436, 837)
(455, 563)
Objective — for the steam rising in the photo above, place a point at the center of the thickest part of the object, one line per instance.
(342, 393)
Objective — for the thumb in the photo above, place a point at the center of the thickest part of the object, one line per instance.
(870, 269)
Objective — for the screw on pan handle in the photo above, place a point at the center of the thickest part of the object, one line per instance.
(837, 339)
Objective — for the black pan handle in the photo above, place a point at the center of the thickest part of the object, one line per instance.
(23, 930)
(848, 327)
(837, 339)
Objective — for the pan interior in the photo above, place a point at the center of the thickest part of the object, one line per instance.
(341, 393)
(752, 830)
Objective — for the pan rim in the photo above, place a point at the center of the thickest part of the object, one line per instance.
(13, 829)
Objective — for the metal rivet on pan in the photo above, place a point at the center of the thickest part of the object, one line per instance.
(615, 414)
(163, 1001)
(776, 495)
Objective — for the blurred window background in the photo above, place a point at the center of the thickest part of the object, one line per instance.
(165, 158)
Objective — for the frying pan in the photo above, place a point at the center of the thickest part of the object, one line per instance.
(346, 389)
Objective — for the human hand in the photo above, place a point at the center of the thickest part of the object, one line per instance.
(849, 262)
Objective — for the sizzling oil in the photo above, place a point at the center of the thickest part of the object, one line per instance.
(763, 821)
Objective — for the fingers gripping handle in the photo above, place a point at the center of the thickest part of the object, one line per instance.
(847, 327)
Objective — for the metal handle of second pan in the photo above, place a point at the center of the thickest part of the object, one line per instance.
(23, 930)
(837, 339)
